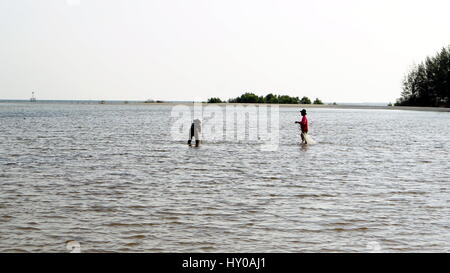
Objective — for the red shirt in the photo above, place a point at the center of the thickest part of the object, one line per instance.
(304, 124)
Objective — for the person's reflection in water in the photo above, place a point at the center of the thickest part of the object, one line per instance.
(304, 147)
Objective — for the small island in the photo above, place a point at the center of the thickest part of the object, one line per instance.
(268, 99)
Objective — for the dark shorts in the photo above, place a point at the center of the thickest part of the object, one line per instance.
(192, 131)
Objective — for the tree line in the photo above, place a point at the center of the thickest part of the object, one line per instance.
(428, 83)
(269, 98)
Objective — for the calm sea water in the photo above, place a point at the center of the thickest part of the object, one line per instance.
(111, 178)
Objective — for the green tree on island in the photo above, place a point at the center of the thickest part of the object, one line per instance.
(428, 84)
(245, 98)
(317, 101)
(271, 98)
(214, 100)
(305, 100)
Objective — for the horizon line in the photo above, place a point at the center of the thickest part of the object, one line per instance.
(155, 100)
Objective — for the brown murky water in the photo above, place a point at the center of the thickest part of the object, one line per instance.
(111, 178)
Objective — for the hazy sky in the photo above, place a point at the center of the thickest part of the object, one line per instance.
(344, 51)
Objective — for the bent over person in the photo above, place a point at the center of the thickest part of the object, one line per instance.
(196, 129)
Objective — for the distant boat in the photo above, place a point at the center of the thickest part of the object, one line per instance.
(33, 98)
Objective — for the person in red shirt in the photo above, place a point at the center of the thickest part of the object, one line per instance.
(303, 125)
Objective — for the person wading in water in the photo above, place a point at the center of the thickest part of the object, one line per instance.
(196, 129)
(304, 126)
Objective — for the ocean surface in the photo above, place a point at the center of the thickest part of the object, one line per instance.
(110, 178)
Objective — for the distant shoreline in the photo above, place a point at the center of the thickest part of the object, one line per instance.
(328, 106)
(325, 106)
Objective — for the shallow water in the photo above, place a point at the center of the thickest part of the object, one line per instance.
(111, 178)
